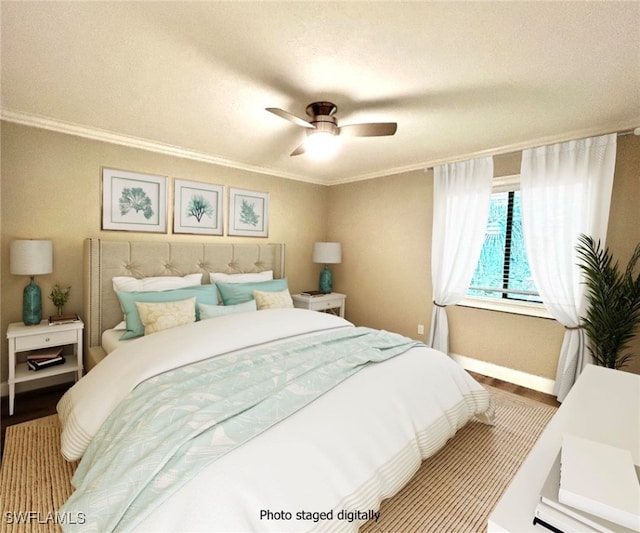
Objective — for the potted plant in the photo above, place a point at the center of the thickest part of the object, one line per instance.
(613, 313)
(60, 297)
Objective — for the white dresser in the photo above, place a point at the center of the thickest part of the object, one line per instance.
(603, 405)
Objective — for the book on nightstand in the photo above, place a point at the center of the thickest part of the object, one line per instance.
(39, 365)
(45, 358)
(313, 293)
(64, 319)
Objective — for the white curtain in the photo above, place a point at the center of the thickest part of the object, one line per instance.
(461, 198)
(565, 191)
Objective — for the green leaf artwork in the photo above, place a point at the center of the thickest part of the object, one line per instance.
(198, 207)
(135, 198)
(248, 214)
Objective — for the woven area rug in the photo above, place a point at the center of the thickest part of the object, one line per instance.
(453, 491)
(457, 488)
(34, 480)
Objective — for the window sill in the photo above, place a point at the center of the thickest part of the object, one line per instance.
(502, 306)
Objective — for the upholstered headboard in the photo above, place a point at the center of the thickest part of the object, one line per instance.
(105, 259)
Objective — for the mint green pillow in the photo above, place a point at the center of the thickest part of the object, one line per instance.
(237, 293)
(206, 294)
(212, 311)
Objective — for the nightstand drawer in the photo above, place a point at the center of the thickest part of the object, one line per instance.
(326, 304)
(322, 302)
(53, 338)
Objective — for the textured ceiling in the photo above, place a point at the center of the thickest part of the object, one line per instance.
(194, 78)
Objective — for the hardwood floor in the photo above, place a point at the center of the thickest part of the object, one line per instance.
(517, 389)
(42, 402)
(30, 405)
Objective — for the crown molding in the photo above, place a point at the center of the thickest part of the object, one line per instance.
(69, 128)
(96, 134)
(623, 128)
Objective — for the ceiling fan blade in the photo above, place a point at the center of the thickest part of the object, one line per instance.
(299, 150)
(372, 129)
(289, 116)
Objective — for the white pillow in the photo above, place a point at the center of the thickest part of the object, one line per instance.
(248, 277)
(157, 283)
(156, 316)
(212, 311)
(273, 299)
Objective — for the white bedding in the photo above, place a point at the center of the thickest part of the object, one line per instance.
(347, 450)
(111, 339)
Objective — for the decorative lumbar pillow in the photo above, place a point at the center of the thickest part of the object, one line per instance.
(246, 277)
(212, 311)
(206, 294)
(273, 299)
(237, 293)
(165, 315)
(156, 283)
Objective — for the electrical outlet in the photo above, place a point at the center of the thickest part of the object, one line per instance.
(420, 329)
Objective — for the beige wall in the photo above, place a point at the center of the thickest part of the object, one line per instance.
(51, 189)
(385, 227)
(624, 219)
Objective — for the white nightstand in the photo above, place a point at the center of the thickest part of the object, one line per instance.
(23, 339)
(321, 302)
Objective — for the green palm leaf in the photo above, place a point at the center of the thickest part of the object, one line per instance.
(613, 314)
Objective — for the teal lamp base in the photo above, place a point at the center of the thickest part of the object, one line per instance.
(31, 304)
(326, 280)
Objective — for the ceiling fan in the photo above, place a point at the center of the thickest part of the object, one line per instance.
(322, 126)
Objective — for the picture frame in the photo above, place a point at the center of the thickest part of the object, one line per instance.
(197, 207)
(248, 213)
(132, 201)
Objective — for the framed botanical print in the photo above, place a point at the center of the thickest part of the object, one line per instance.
(248, 213)
(133, 202)
(197, 208)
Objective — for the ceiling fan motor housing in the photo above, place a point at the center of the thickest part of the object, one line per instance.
(324, 124)
(322, 118)
(321, 108)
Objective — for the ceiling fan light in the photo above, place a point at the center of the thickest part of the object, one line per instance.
(321, 145)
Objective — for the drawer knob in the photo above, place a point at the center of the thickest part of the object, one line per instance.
(47, 339)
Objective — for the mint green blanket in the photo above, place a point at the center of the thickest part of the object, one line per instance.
(173, 425)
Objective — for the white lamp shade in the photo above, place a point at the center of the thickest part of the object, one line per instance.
(327, 252)
(31, 257)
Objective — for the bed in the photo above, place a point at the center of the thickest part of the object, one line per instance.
(278, 419)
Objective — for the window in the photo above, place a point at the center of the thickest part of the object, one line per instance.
(503, 269)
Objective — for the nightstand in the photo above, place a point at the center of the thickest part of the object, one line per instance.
(24, 339)
(321, 302)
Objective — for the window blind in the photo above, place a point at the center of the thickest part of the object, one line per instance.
(503, 268)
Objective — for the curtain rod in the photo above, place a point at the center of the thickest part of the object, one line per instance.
(498, 151)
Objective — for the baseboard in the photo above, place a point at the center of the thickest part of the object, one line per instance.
(37, 384)
(517, 377)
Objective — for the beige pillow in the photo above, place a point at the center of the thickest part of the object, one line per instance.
(156, 316)
(273, 299)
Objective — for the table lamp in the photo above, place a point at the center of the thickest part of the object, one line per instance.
(31, 258)
(327, 253)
